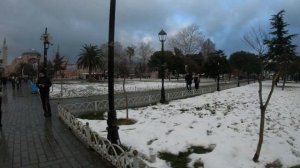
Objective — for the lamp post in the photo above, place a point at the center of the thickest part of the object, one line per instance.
(38, 64)
(46, 40)
(112, 126)
(218, 77)
(162, 35)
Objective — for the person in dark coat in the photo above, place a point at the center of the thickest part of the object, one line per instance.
(44, 85)
(189, 80)
(196, 81)
(13, 82)
(4, 81)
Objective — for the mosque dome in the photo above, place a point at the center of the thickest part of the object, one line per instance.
(31, 52)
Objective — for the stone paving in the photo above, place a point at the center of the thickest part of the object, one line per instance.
(27, 139)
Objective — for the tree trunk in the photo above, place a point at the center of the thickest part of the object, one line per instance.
(263, 108)
(261, 134)
(248, 78)
(238, 79)
(126, 97)
(284, 81)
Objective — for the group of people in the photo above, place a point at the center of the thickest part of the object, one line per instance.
(189, 78)
(43, 83)
(16, 81)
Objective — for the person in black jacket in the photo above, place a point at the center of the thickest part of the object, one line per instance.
(189, 80)
(196, 81)
(44, 85)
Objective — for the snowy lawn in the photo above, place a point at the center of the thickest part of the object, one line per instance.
(226, 121)
(74, 90)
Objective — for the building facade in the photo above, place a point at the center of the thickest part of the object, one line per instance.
(29, 57)
(3, 59)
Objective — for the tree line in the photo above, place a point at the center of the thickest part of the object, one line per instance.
(275, 53)
(192, 53)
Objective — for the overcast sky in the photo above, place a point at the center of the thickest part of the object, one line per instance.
(73, 23)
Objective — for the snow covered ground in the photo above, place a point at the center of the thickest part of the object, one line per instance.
(228, 120)
(81, 89)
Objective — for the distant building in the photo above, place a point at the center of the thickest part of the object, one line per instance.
(29, 57)
(4, 53)
(71, 71)
(3, 58)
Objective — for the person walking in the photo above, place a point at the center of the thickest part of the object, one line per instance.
(13, 82)
(18, 82)
(196, 81)
(44, 84)
(189, 80)
(4, 81)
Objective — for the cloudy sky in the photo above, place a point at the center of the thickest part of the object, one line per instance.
(73, 23)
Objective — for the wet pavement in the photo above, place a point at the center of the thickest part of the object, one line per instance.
(28, 139)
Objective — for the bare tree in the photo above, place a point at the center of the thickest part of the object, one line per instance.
(189, 40)
(207, 48)
(255, 38)
(118, 53)
(124, 71)
(144, 51)
(130, 51)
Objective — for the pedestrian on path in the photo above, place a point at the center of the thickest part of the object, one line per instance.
(4, 81)
(44, 85)
(18, 82)
(189, 80)
(196, 81)
(13, 82)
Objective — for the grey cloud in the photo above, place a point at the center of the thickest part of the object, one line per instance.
(73, 23)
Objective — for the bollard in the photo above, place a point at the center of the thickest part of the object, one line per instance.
(136, 163)
(152, 155)
(88, 134)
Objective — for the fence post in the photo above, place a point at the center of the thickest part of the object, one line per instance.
(88, 134)
(136, 163)
(152, 155)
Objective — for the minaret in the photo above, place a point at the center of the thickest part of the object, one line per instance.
(4, 53)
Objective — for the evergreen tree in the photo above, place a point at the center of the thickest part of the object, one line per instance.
(216, 64)
(281, 50)
(58, 62)
(244, 62)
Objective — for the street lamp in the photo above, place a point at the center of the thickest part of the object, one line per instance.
(112, 125)
(46, 40)
(162, 35)
(38, 64)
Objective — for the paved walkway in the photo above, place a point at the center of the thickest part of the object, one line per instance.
(27, 139)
